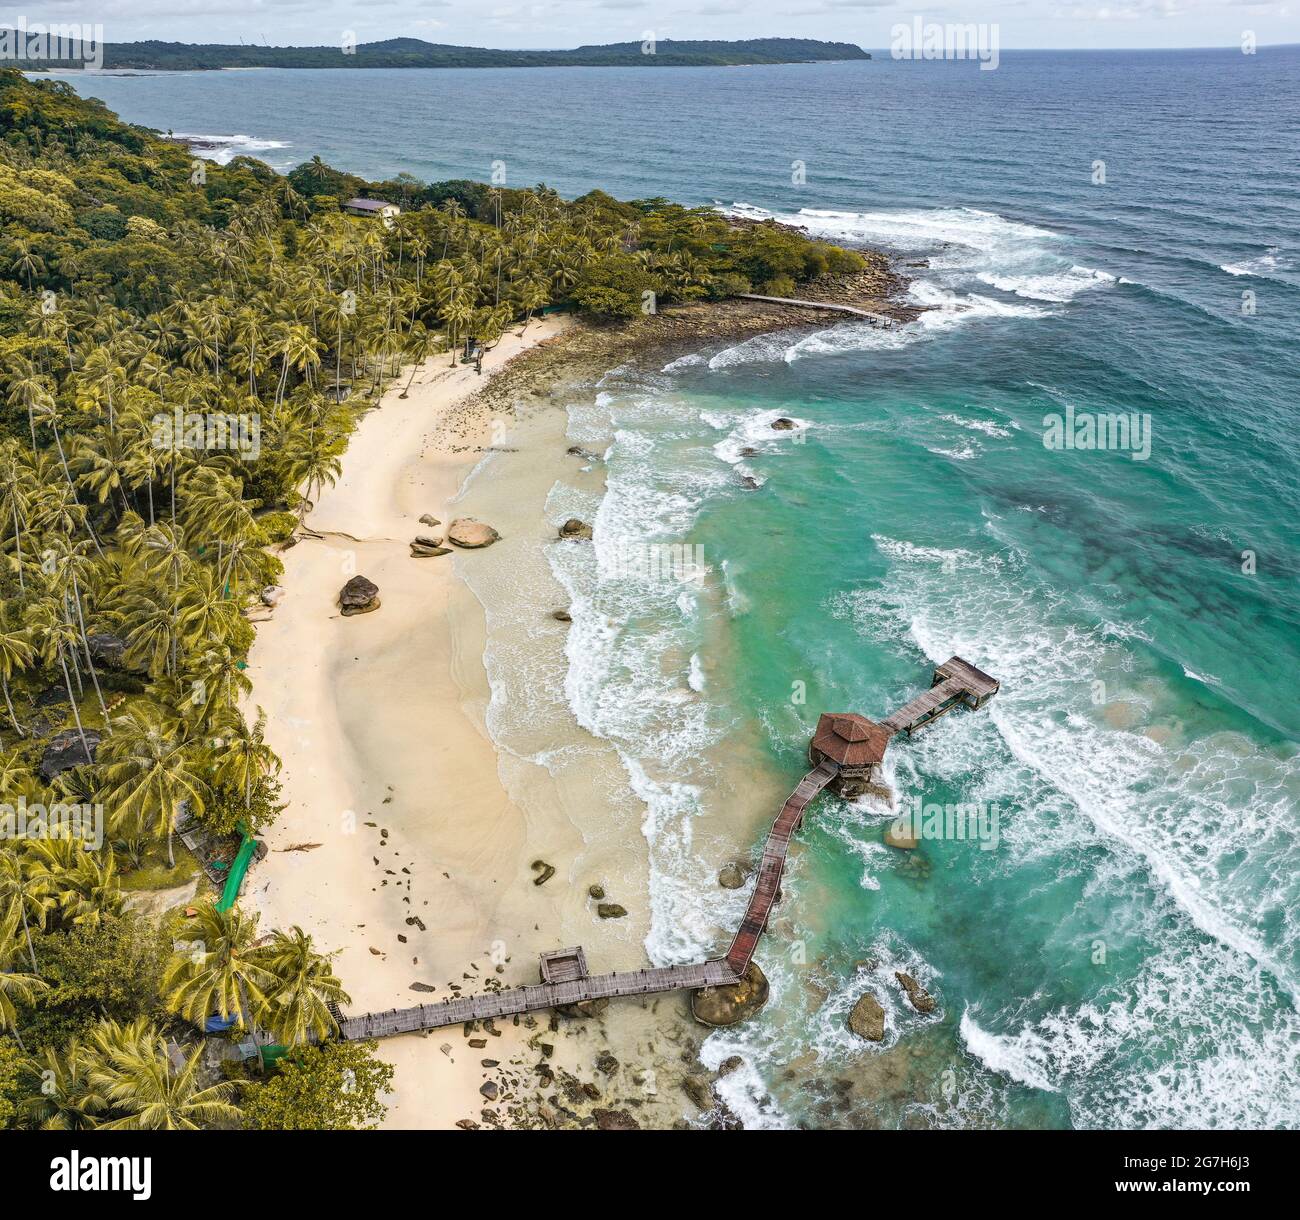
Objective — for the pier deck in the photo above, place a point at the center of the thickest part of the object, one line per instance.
(564, 970)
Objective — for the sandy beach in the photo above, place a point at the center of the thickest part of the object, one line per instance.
(408, 839)
(394, 810)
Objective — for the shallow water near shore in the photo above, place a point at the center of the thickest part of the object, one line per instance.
(1127, 954)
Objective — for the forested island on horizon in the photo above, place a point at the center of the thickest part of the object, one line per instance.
(416, 53)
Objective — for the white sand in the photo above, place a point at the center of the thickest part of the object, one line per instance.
(373, 727)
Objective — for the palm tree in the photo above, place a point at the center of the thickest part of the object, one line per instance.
(16, 653)
(131, 1070)
(244, 758)
(15, 988)
(56, 638)
(26, 261)
(66, 1101)
(220, 973)
(81, 882)
(297, 1002)
(149, 772)
(420, 344)
(24, 892)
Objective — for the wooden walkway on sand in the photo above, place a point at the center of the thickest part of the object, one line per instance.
(569, 965)
(565, 980)
(879, 319)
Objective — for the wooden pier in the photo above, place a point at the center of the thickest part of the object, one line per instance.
(956, 682)
(565, 980)
(879, 319)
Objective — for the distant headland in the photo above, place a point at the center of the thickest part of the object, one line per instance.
(415, 53)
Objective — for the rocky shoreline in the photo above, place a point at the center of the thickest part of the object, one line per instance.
(590, 349)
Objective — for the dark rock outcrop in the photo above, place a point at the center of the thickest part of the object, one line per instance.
(610, 910)
(65, 751)
(920, 999)
(108, 651)
(575, 528)
(359, 596)
(867, 1019)
(733, 1003)
(783, 425)
(615, 1120)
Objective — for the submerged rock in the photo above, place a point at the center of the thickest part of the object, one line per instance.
(921, 999)
(732, 876)
(730, 1064)
(65, 751)
(359, 596)
(732, 1003)
(867, 1019)
(783, 425)
(900, 833)
(607, 1063)
(468, 533)
(562, 616)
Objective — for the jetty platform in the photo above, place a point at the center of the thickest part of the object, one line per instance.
(846, 750)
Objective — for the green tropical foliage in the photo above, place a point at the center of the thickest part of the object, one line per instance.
(184, 351)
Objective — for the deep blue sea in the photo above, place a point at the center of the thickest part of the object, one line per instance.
(1095, 234)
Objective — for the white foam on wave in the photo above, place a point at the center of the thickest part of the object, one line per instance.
(636, 675)
(752, 430)
(959, 244)
(1189, 846)
(225, 148)
(1262, 266)
(1059, 286)
(986, 426)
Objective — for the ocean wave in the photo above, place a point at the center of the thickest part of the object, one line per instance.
(223, 149)
(1262, 266)
(959, 245)
(753, 430)
(1203, 823)
(1060, 286)
(987, 427)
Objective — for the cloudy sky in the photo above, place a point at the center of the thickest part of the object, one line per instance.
(566, 23)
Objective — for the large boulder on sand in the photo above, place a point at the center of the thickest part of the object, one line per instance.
(359, 596)
(733, 1003)
(575, 528)
(65, 751)
(468, 533)
(867, 1019)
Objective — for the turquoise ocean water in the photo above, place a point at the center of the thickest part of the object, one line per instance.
(1129, 952)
